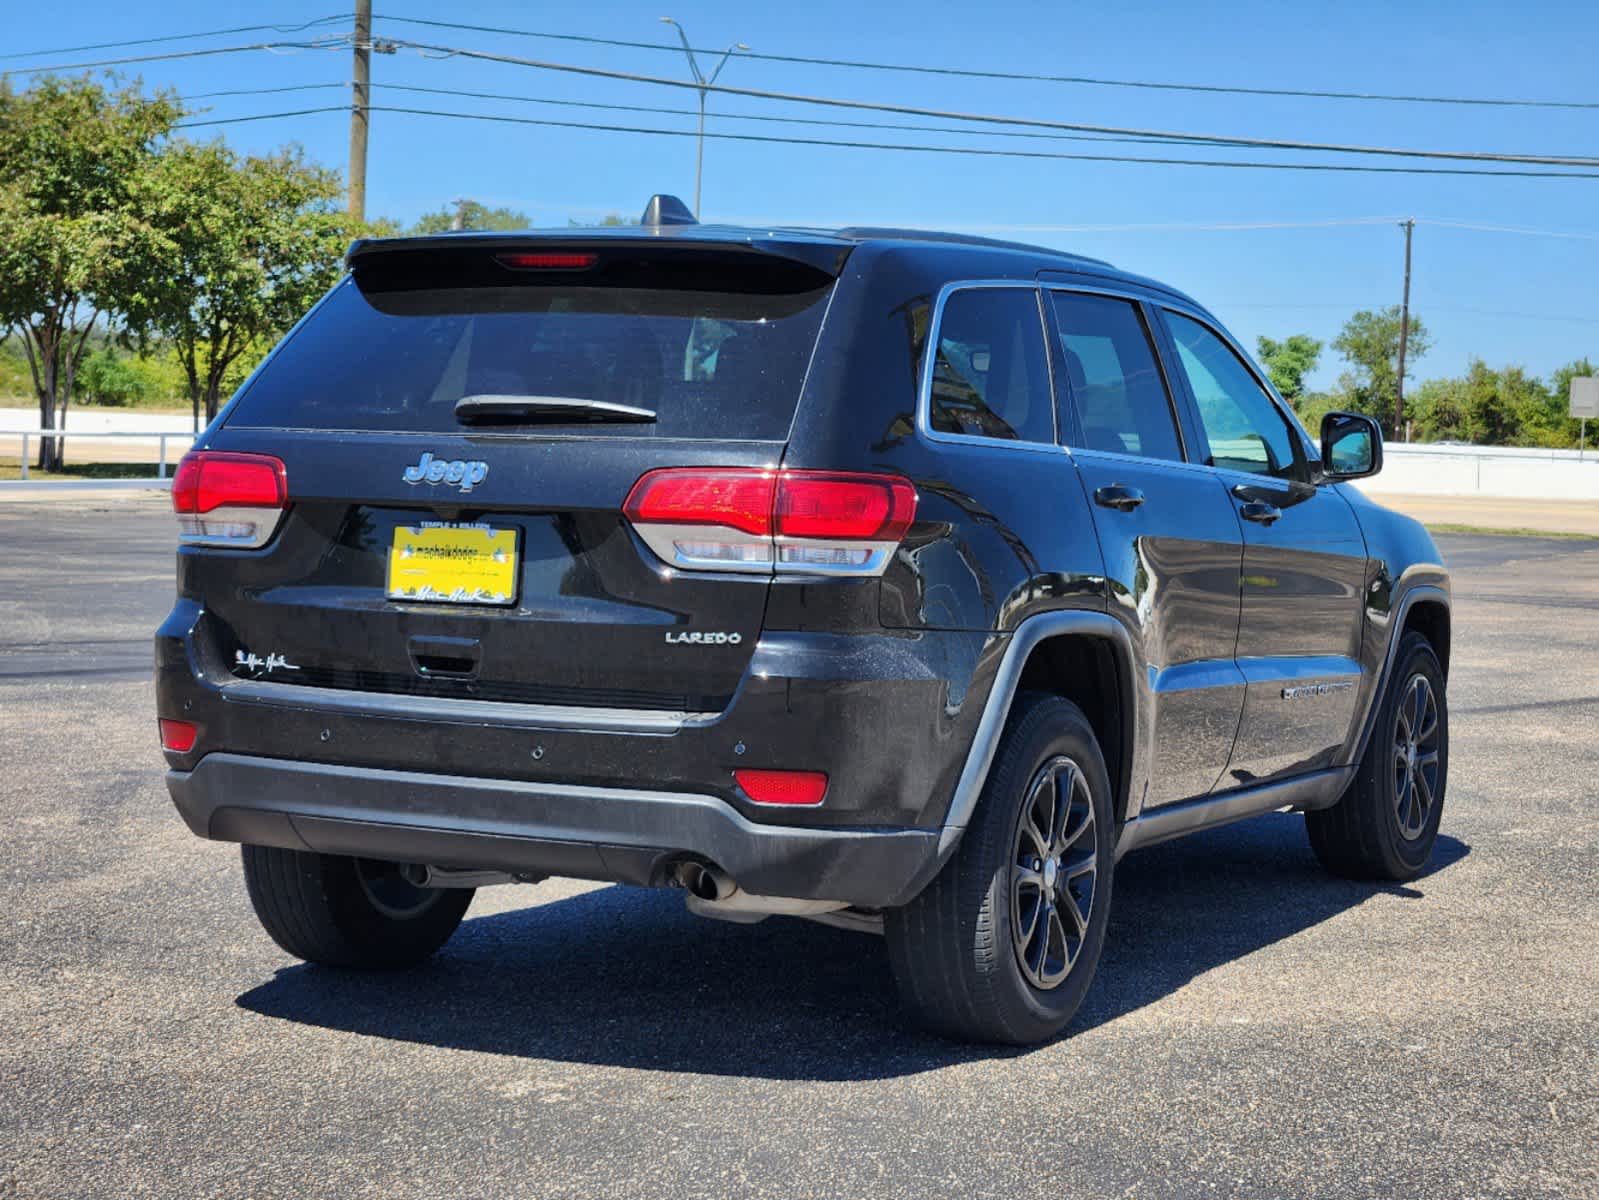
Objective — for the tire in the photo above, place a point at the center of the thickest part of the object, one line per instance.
(955, 958)
(1385, 824)
(348, 912)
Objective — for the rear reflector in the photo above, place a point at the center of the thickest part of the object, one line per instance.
(178, 736)
(227, 499)
(783, 787)
(748, 519)
(546, 261)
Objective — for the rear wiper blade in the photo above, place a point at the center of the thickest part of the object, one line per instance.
(469, 409)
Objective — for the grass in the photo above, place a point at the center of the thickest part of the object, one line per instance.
(11, 469)
(1517, 531)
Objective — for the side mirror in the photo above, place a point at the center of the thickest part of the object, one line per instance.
(1351, 446)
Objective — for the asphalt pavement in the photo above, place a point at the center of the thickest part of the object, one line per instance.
(1257, 1029)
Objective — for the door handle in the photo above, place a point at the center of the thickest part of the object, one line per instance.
(1118, 496)
(1259, 511)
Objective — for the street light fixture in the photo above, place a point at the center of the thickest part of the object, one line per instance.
(701, 81)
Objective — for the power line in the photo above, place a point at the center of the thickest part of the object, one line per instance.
(1029, 122)
(267, 91)
(1444, 223)
(175, 37)
(272, 116)
(970, 73)
(274, 47)
(686, 112)
(978, 151)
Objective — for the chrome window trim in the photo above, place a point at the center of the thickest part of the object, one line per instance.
(924, 391)
(1088, 454)
(1138, 301)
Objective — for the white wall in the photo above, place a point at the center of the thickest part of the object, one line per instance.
(1487, 471)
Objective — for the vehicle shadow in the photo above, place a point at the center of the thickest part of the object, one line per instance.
(625, 977)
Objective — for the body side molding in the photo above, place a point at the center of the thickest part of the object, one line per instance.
(1319, 789)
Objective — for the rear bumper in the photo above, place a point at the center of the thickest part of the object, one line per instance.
(888, 716)
(625, 835)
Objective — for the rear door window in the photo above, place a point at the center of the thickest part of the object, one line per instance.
(990, 371)
(715, 352)
(1114, 378)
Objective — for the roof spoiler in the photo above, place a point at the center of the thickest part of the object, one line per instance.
(666, 210)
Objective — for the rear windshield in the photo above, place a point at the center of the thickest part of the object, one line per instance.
(715, 345)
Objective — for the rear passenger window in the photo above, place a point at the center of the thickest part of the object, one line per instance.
(1109, 364)
(990, 373)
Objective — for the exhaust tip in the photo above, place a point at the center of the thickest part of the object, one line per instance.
(706, 882)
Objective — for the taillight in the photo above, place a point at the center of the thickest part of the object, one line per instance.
(178, 736)
(783, 787)
(225, 499)
(749, 519)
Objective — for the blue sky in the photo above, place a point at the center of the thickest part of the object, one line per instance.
(1532, 300)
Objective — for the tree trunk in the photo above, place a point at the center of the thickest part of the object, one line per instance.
(66, 391)
(222, 354)
(192, 378)
(43, 357)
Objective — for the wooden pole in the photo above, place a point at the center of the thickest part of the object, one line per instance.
(1404, 331)
(359, 99)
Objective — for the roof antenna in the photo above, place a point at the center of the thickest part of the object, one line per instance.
(666, 210)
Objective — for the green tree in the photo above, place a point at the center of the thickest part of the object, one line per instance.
(71, 154)
(235, 251)
(110, 377)
(471, 215)
(1566, 427)
(1439, 412)
(1369, 342)
(1288, 362)
(1503, 407)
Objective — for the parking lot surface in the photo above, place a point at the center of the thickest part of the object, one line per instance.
(1257, 1028)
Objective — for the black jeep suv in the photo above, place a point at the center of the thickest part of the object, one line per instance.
(897, 580)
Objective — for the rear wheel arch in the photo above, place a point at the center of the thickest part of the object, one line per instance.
(1057, 672)
(1091, 671)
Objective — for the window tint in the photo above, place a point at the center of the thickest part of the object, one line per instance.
(710, 363)
(1110, 364)
(990, 375)
(1245, 429)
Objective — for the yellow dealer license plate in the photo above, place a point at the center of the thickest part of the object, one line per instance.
(445, 563)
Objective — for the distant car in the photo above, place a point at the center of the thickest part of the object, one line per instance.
(898, 580)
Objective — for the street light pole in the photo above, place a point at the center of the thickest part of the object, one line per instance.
(701, 81)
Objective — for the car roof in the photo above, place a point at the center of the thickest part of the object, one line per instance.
(811, 243)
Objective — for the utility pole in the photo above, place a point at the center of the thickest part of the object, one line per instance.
(458, 221)
(359, 99)
(1409, 226)
(701, 82)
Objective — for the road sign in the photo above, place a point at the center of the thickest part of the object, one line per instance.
(1584, 404)
(1585, 395)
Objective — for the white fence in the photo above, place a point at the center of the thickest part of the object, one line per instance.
(1425, 470)
(1510, 472)
(27, 436)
